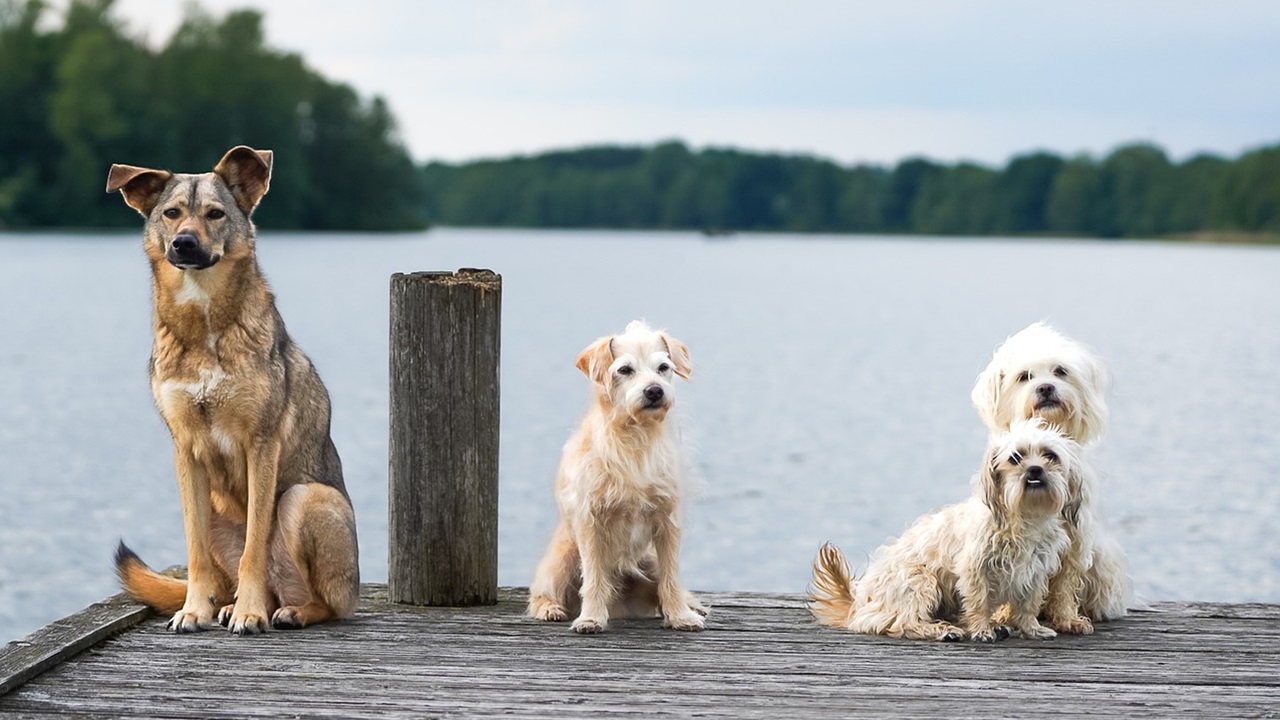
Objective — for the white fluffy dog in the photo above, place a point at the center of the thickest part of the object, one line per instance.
(1039, 372)
(616, 548)
(959, 564)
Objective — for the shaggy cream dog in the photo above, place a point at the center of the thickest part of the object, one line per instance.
(616, 548)
(1040, 372)
(950, 571)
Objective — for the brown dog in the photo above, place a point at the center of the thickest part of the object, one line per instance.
(271, 534)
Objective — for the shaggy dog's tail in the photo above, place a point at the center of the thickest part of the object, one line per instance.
(831, 595)
(161, 592)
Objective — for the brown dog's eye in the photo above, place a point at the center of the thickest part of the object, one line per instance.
(1024, 376)
(1060, 371)
(172, 213)
(215, 214)
(625, 370)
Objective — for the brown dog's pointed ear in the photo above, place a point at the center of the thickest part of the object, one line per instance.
(679, 354)
(247, 172)
(141, 187)
(594, 361)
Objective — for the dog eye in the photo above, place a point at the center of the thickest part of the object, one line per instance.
(1024, 376)
(663, 368)
(1050, 456)
(625, 370)
(172, 213)
(215, 214)
(1060, 371)
(1015, 458)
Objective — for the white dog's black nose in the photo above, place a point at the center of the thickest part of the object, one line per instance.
(1046, 390)
(653, 393)
(1035, 475)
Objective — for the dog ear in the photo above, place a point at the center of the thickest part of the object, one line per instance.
(993, 485)
(1092, 411)
(986, 395)
(679, 354)
(595, 359)
(141, 187)
(247, 173)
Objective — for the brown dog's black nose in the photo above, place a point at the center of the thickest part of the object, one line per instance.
(185, 242)
(653, 393)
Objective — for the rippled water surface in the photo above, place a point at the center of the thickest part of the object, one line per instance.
(830, 397)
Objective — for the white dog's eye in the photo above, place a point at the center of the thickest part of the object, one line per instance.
(625, 370)
(1024, 376)
(1051, 456)
(1060, 371)
(663, 368)
(1015, 458)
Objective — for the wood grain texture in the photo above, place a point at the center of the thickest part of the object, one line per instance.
(443, 467)
(760, 657)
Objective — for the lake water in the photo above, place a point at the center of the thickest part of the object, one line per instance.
(830, 397)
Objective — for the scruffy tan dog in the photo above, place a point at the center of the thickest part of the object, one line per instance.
(1039, 372)
(616, 549)
(950, 571)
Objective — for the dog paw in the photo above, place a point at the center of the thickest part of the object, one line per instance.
(696, 606)
(1073, 626)
(985, 636)
(224, 615)
(186, 621)
(247, 622)
(689, 621)
(588, 626)
(1038, 632)
(952, 635)
(1003, 632)
(287, 618)
(549, 612)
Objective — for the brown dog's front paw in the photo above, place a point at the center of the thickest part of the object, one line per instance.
(247, 622)
(287, 618)
(187, 621)
(687, 621)
(547, 610)
(1078, 625)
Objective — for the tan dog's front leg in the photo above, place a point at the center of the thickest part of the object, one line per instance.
(1062, 608)
(597, 581)
(680, 610)
(252, 612)
(204, 581)
(975, 594)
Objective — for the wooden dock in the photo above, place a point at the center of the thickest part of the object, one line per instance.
(761, 656)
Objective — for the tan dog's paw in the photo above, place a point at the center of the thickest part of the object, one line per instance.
(1037, 632)
(547, 610)
(242, 621)
(1078, 625)
(695, 605)
(189, 621)
(588, 626)
(688, 621)
(287, 618)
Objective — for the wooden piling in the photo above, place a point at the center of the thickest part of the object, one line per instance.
(443, 495)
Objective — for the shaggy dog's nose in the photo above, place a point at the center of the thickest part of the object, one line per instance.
(653, 393)
(1035, 475)
(1046, 390)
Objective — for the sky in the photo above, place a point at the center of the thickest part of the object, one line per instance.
(851, 81)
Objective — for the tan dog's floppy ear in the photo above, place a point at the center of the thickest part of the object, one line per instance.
(595, 360)
(679, 354)
(986, 395)
(247, 172)
(141, 187)
(993, 485)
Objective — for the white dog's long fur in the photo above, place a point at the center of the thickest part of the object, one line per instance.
(616, 547)
(959, 564)
(1040, 372)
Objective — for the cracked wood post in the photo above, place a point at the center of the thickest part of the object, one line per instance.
(443, 474)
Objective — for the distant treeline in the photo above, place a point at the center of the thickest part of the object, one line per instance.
(1136, 191)
(77, 98)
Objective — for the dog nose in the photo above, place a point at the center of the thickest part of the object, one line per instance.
(653, 393)
(1035, 472)
(1046, 389)
(185, 242)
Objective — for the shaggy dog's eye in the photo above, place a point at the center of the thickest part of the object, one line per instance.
(663, 368)
(1060, 371)
(1015, 458)
(1051, 456)
(215, 214)
(625, 370)
(1024, 376)
(172, 213)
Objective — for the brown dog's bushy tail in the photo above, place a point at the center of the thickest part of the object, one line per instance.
(831, 595)
(147, 586)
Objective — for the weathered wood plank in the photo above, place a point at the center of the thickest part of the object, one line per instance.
(22, 660)
(443, 469)
(759, 657)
